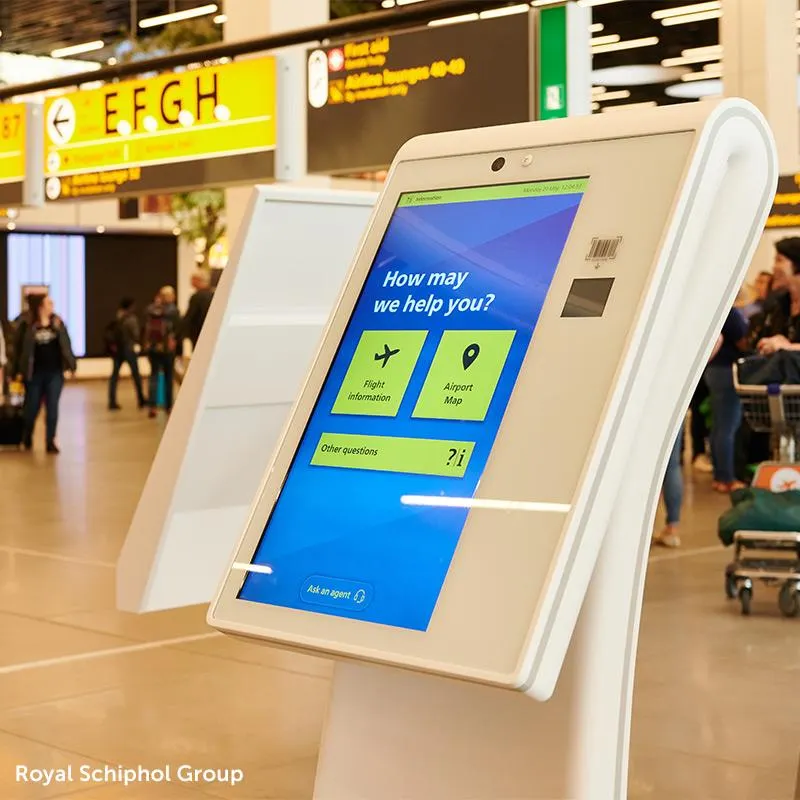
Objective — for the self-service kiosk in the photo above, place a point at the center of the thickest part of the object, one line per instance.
(460, 508)
(262, 331)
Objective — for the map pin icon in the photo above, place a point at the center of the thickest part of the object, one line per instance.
(470, 354)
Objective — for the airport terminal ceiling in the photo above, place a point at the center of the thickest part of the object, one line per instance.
(632, 38)
(639, 46)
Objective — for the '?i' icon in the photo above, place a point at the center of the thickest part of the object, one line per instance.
(470, 354)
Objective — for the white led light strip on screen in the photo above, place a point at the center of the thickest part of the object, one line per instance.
(438, 501)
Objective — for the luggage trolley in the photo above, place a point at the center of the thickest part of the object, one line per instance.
(770, 557)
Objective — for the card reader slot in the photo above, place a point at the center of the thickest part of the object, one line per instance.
(588, 297)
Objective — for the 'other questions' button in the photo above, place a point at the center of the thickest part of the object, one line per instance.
(336, 593)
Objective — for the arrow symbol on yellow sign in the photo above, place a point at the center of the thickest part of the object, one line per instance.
(61, 121)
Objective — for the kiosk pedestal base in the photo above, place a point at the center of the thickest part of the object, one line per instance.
(398, 735)
(405, 736)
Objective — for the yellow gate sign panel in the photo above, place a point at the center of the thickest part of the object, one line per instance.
(135, 129)
(12, 145)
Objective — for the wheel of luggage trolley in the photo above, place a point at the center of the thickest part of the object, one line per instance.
(745, 598)
(788, 601)
(731, 587)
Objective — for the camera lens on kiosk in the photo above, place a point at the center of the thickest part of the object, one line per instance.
(498, 164)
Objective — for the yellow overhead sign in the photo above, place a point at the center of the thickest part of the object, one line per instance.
(12, 143)
(136, 129)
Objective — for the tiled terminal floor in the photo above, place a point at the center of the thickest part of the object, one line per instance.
(716, 708)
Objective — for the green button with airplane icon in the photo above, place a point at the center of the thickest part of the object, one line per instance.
(379, 373)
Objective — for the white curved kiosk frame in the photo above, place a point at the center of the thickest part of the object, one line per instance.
(544, 590)
(261, 333)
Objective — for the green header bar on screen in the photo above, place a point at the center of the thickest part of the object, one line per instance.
(506, 191)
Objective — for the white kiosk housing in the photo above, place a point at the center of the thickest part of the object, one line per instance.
(467, 483)
(263, 328)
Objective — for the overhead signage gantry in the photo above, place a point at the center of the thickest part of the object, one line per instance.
(204, 127)
(20, 162)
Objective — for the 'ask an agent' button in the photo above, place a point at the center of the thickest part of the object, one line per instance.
(336, 593)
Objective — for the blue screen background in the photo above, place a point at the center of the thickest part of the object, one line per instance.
(348, 526)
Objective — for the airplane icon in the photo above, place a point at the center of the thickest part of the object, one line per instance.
(386, 355)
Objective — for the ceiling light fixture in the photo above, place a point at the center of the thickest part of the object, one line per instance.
(595, 106)
(695, 90)
(630, 44)
(696, 51)
(220, 19)
(622, 94)
(682, 61)
(540, 3)
(505, 12)
(179, 16)
(689, 18)
(407, 2)
(626, 75)
(596, 27)
(598, 90)
(592, 3)
(702, 76)
(77, 49)
(612, 38)
(387, 4)
(435, 23)
(682, 11)
(630, 106)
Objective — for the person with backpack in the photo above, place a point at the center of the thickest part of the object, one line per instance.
(159, 343)
(42, 353)
(122, 338)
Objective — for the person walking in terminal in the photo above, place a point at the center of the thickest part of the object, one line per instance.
(775, 313)
(159, 344)
(790, 339)
(42, 353)
(699, 428)
(122, 343)
(199, 304)
(726, 408)
(672, 491)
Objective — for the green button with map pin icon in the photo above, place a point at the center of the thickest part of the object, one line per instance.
(464, 374)
(470, 354)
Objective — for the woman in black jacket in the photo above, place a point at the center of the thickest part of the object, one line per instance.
(42, 353)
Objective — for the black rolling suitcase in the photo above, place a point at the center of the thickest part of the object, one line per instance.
(12, 425)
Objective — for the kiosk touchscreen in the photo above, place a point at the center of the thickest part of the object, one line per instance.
(444, 484)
